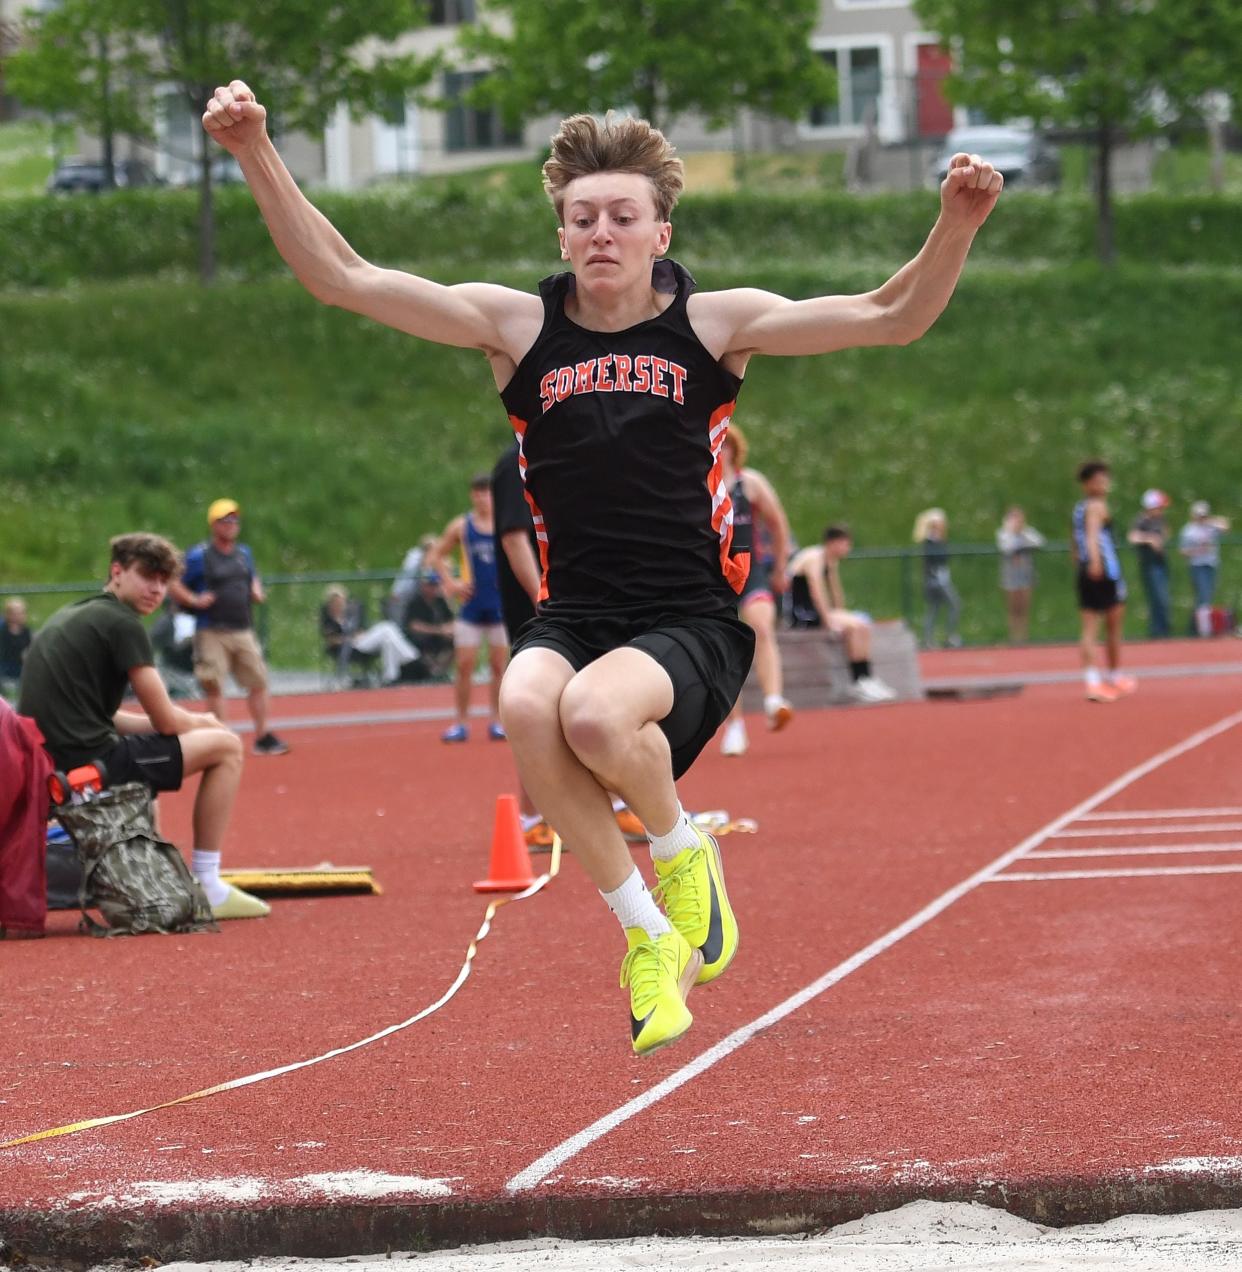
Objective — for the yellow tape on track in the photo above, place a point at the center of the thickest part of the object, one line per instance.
(234, 1084)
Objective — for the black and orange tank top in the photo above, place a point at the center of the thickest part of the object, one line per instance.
(619, 436)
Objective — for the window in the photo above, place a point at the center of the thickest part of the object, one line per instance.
(858, 88)
(450, 12)
(469, 127)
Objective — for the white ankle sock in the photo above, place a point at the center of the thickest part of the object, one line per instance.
(772, 703)
(682, 836)
(635, 907)
(205, 866)
(1092, 676)
(530, 821)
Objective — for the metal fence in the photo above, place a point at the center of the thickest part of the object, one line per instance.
(884, 582)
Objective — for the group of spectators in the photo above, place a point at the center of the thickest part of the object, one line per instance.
(1017, 542)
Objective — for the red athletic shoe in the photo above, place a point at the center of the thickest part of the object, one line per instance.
(1102, 693)
(1124, 684)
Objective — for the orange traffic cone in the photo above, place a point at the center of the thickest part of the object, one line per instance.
(510, 869)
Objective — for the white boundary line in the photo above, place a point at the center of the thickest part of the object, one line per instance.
(1155, 813)
(1133, 850)
(1197, 829)
(543, 1166)
(1136, 873)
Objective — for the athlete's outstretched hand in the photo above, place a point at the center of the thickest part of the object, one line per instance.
(970, 190)
(234, 118)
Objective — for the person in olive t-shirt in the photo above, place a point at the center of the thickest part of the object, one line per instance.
(76, 673)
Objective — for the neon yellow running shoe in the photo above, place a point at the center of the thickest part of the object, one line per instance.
(659, 972)
(691, 886)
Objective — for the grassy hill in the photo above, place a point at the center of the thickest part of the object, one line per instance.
(134, 403)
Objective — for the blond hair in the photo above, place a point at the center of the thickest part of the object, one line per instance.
(924, 520)
(584, 145)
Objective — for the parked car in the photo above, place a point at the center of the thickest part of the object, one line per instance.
(1021, 155)
(77, 176)
(225, 170)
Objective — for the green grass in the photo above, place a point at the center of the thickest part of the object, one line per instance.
(26, 149)
(133, 404)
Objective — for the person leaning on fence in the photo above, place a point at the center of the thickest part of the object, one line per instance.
(1199, 543)
(220, 587)
(81, 662)
(931, 529)
(620, 379)
(817, 599)
(1017, 543)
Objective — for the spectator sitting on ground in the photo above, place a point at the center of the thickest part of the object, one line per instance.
(817, 599)
(77, 671)
(429, 621)
(14, 641)
(1199, 543)
(340, 625)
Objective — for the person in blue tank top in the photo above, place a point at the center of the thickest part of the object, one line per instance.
(1101, 588)
(620, 380)
(480, 620)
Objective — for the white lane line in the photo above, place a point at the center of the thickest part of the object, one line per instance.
(1133, 850)
(1136, 873)
(543, 1166)
(1197, 829)
(1156, 813)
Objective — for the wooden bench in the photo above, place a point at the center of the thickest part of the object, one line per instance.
(817, 672)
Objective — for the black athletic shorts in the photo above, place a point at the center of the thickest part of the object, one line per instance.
(707, 659)
(1099, 595)
(154, 758)
(758, 582)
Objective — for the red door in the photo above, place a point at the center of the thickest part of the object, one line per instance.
(935, 114)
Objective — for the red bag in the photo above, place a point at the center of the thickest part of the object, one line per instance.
(24, 770)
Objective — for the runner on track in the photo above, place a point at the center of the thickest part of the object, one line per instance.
(757, 509)
(620, 381)
(1101, 587)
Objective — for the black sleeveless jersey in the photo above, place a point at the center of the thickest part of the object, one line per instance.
(619, 436)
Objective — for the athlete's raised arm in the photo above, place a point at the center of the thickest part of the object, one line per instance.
(498, 320)
(747, 321)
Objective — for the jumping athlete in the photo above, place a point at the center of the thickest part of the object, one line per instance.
(756, 509)
(1101, 588)
(479, 620)
(620, 381)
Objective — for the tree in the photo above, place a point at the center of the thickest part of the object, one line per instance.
(1113, 68)
(666, 58)
(79, 60)
(304, 56)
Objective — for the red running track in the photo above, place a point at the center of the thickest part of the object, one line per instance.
(1068, 1047)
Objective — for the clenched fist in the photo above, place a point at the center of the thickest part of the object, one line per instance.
(970, 189)
(234, 118)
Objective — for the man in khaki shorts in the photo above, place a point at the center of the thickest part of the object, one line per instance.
(220, 585)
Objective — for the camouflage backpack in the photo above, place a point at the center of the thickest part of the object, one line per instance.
(139, 882)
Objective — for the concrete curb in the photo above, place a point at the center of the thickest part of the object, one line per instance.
(86, 1235)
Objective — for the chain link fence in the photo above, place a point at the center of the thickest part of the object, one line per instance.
(884, 582)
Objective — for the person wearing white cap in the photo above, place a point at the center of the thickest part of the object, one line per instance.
(219, 586)
(1199, 543)
(1150, 535)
